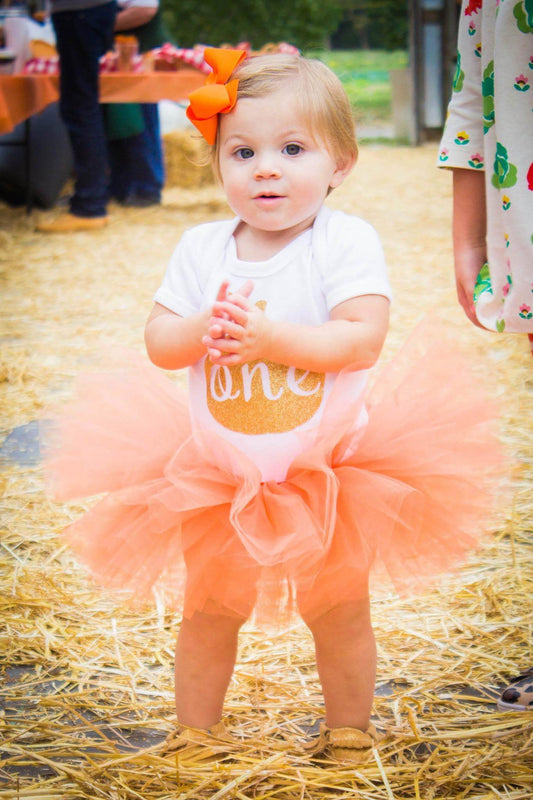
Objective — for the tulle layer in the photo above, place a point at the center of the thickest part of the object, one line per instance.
(188, 514)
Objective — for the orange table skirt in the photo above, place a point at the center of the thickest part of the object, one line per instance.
(22, 96)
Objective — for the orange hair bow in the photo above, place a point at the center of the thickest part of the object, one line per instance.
(217, 96)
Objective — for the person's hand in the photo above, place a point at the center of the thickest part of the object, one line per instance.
(469, 235)
(468, 263)
(223, 310)
(237, 331)
(219, 311)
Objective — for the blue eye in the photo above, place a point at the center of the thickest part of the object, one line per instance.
(292, 149)
(244, 152)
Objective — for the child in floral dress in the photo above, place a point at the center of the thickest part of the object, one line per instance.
(488, 142)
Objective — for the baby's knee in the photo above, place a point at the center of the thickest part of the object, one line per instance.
(350, 618)
(212, 628)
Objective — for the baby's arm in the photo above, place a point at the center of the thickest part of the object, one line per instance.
(469, 234)
(173, 342)
(353, 336)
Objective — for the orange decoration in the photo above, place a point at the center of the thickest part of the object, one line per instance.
(217, 96)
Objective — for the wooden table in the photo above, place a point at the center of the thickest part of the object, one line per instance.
(23, 96)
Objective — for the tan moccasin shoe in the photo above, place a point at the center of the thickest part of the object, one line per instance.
(70, 223)
(199, 744)
(344, 745)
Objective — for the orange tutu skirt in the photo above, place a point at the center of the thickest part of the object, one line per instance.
(187, 514)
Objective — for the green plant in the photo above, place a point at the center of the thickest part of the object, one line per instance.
(365, 75)
(304, 23)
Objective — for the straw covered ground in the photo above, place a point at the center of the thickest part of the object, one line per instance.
(86, 687)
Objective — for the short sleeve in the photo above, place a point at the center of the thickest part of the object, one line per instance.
(462, 140)
(354, 261)
(199, 251)
(180, 290)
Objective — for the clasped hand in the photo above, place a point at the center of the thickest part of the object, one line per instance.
(237, 331)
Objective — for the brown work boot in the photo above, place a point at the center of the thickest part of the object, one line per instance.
(70, 223)
(199, 744)
(344, 745)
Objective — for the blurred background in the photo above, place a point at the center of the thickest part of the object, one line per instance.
(396, 59)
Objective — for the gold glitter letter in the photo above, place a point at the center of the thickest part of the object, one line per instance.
(248, 376)
(294, 382)
(220, 388)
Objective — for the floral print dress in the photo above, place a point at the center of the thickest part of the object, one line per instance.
(490, 127)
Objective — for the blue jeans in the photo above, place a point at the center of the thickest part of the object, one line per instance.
(137, 166)
(82, 37)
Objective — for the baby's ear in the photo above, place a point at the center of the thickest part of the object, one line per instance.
(344, 168)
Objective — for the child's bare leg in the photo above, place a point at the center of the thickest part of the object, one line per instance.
(346, 662)
(205, 658)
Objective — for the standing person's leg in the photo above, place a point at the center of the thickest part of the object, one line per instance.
(119, 166)
(152, 180)
(82, 37)
(205, 659)
(206, 648)
(141, 163)
(346, 662)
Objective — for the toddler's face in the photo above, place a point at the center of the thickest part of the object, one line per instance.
(274, 172)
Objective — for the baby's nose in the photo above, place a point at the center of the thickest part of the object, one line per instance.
(267, 166)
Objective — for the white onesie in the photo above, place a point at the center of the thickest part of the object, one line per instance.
(262, 407)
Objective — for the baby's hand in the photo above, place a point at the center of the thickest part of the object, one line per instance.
(226, 317)
(244, 336)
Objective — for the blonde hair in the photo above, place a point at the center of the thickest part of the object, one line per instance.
(320, 96)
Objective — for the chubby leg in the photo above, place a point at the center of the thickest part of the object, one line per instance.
(346, 663)
(205, 658)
